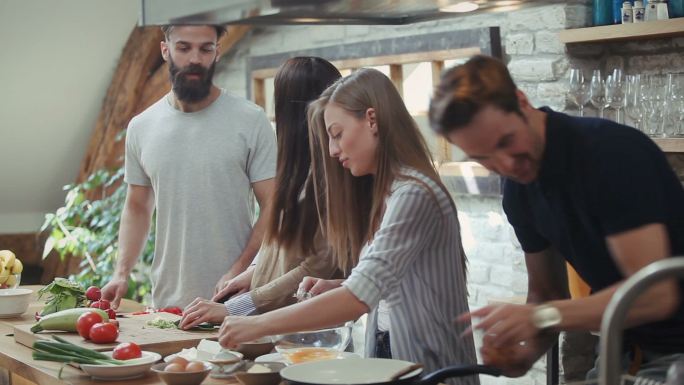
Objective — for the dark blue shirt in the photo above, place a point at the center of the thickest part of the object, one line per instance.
(599, 178)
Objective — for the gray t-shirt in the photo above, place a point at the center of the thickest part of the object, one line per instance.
(201, 166)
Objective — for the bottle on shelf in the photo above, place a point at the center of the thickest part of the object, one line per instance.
(652, 10)
(602, 12)
(638, 11)
(617, 11)
(627, 13)
(676, 8)
(661, 10)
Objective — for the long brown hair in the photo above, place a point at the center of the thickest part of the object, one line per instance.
(350, 219)
(293, 220)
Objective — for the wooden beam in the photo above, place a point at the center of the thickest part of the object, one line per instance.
(259, 92)
(443, 147)
(374, 61)
(397, 76)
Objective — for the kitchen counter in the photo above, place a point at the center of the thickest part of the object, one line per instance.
(24, 370)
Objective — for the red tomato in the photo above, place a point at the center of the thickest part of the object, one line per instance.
(172, 310)
(126, 351)
(85, 322)
(101, 304)
(111, 314)
(93, 293)
(103, 333)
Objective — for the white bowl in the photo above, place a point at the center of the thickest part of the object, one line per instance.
(14, 302)
(134, 368)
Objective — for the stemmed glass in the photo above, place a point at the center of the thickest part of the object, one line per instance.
(657, 93)
(633, 105)
(597, 94)
(579, 89)
(615, 92)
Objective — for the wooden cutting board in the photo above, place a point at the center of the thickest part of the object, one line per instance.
(132, 328)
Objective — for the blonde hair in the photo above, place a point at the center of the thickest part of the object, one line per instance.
(348, 217)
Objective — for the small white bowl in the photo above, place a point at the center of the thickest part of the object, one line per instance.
(14, 302)
(181, 378)
(226, 363)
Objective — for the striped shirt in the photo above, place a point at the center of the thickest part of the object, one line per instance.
(241, 304)
(414, 263)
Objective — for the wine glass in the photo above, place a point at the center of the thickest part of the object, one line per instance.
(615, 93)
(597, 94)
(579, 89)
(633, 105)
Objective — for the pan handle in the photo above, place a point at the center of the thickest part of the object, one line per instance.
(457, 371)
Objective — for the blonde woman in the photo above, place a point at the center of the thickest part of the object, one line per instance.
(383, 202)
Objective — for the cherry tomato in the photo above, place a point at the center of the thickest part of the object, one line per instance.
(111, 314)
(93, 293)
(103, 333)
(172, 310)
(126, 351)
(85, 322)
(101, 304)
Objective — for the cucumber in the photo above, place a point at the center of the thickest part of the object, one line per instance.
(65, 319)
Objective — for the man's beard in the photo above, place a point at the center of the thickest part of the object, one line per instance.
(191, 90)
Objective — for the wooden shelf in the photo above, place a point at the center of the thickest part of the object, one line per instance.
(670, 144)
(618, 32)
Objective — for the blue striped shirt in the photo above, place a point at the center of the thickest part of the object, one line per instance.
(414, 263)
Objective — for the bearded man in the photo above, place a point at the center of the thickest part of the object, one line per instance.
(195, 155)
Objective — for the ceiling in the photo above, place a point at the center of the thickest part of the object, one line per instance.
(278, 12)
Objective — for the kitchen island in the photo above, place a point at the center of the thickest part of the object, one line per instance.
(24, 370)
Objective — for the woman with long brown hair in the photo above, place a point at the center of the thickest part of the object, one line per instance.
(293, 245)
(385, 212)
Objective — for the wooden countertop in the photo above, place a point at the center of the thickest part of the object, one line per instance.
(17, 359)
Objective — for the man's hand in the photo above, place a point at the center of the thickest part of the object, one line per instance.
(202, 310)
(233, 286)
(235, 330)
(114, 291)
(513, 360)
(503, 325)
(316, 286)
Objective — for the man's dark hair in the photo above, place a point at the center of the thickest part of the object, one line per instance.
(466, 89)
(220, 30)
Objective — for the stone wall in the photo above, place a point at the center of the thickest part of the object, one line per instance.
(538, 62)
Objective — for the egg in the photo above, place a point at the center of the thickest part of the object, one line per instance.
(194, 366)
(174, 368)
(180, 361)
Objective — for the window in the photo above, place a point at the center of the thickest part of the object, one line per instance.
(412, 69)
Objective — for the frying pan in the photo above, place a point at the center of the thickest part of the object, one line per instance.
(373, 371)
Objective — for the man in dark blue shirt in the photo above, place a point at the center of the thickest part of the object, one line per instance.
(591, 192)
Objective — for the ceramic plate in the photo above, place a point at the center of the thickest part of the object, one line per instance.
(132, 369)
(334, 372)
(277, 357)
